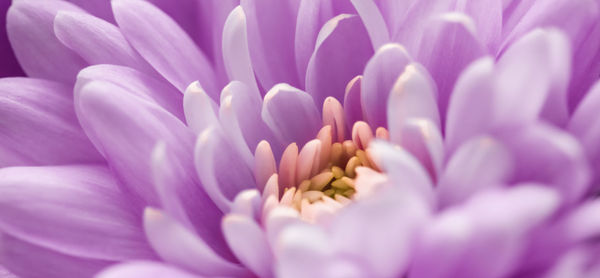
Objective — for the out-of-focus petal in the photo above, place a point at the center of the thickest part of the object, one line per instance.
(200, 110)
(125, 128)
(99, 8)
(10, 65)
(236, 54)
(39, 126)
(248, 241)
(164, 45)
(40, 53)
(180, 246)
(341, 52)
(479, 164)
(487, 16)
(144, 269)
(271, 26)
(96, 41)
(291, 114)
(82, 210)
(373, 21)
(585, 125)
(380, 74)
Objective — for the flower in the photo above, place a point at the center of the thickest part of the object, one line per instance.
(426, 138)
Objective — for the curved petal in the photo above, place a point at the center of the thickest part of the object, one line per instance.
(179, 246)
(136, 82)
(144, 269)
(487, 16)
(84, 212)
(235, 49)
(271, 25)
(199, 108)
(249, 242)
(125, 128)
(38, 125)
(96, 41)
(99, 8)
(373, 20)
(353, 109)
(10, 65)
(40, 53)
(291, 114)
(479, 164)
(341, 52)
(380, 74)
(164, 45)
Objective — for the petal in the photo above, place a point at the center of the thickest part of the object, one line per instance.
(125, 129)
(235, 49)
(10, 65)
(271, 25)
(85, 212)
(380, 74)
(352, 102)
(412, 96)
(144, 269)
(179, 246)
(487, 16)
(341, 52)
(40, 53)
(249, 243)
(38, 125)
(471, 105)
(164, 44)
(99, 8)
(448, 45)
(199, 108)
(303, 251)
(479, 164)
(586, 67)
(539, 64)
(382, 244)
(291, 114)
(182, 196)
(373, 20)
(551, 156)
(29, 260)
(459, 241)
(136, 82)
(96, 41)
(222, 172)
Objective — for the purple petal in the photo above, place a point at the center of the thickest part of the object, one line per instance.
(586, 67)
(125, 128)
(458, 242)
(144, 269)
(373, 21)
(99, 8)
(235, 49)
(487, 16)
(271, 25)
(341, 52)
(448, 45)
(291, 114)
(29, 260)
(38, 125)
(248, 241)
(5, 273)
(40, 53)
(199, 108)
(585, 126)
(164, 44)
(352, 102)
(379, 77)
(10, 65)
(81, 207)
(143, 85)
(222, 172)
(394, 12)
(179, 246)
(471, 105)
(181, 195)
(96, 41)
(478, 164)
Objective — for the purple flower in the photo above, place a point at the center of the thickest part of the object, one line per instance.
(425, 138)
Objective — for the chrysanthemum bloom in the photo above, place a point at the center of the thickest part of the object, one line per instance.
(301, 139)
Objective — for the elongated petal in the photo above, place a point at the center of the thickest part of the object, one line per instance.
(373, 20)
(40, 53)
(379, 77)
(136, 82)
(449, 44)
(10, 65)
(200, 110)
(271, 25)
(96, 41)
(164, 44)
(235, 49)
(86, 213)
(249, 242)
(341, 52)
(144, 269)
(39, 126)
(222, 172)
(352, 102)
(291, 114)
(28, 260)
(487, 16)
(479, 164)
(179, 246)
(125, 128)
(99, 8)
